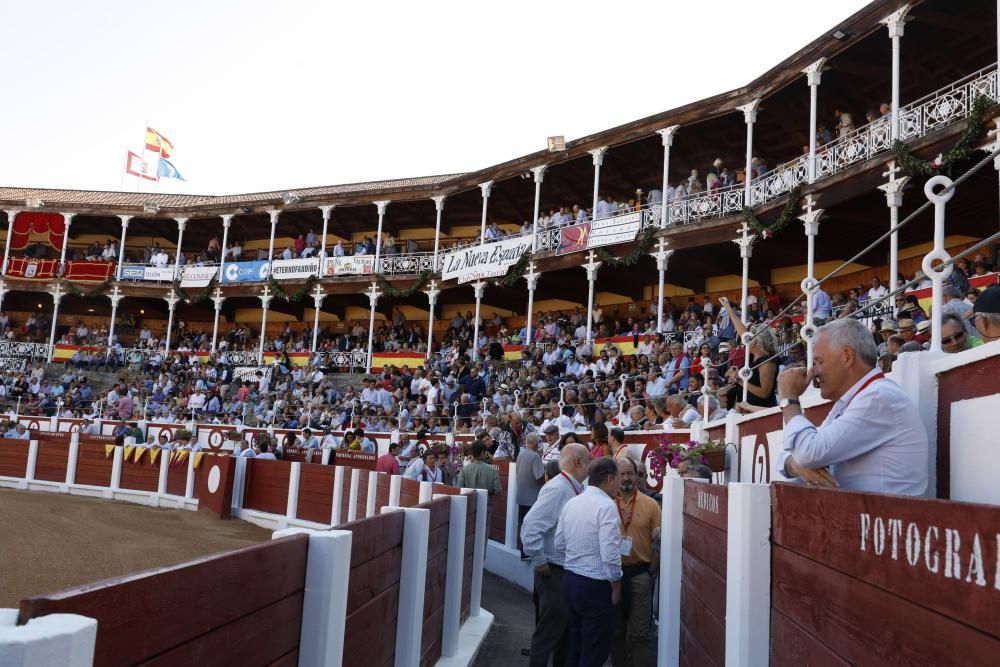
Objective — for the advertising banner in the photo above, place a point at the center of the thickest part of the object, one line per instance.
(245, 272)
(484, 261)
(133, 272)
(348, 266)
(597, 233)
(289, 269)
(198, 276)
(162, 273)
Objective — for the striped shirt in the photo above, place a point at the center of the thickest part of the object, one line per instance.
(538, 532)
(589, 532)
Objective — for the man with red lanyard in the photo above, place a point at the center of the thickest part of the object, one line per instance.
(634, 644)
(538, 543)
(872, 440)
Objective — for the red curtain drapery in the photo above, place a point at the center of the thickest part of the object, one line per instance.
(31, 222)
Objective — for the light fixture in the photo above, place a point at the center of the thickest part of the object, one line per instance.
(90, 310)
(39, 306)
(142, 311)
(842, 35)
(290, 198)
(557, 143)
(150, 207)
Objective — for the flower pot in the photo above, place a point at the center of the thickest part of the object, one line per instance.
(716, 459)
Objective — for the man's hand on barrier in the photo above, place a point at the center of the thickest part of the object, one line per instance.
(542, 570)
(811, 476)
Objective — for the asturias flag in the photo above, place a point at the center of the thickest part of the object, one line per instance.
(167, 170)
(158, 143)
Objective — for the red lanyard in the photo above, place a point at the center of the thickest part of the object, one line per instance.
(575, 491)
(631, 510)
(877, 376)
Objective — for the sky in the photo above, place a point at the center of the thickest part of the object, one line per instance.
(281, 95)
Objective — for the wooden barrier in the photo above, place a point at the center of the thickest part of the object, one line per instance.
(497, 530)
(266, 486)
(315, 493)
(53, 456)
(196, 612)
(437, 571)
(373, 589)
(409, 492)
(870, 579)
(13, 457)
(347, 457)
(143, 475)
(93, 465)
(469, 559)
(177, 478)
(703, 580)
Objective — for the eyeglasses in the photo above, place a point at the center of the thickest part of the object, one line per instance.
(958, 336)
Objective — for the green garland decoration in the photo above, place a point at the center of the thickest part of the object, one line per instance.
(298, 295)
(206, 294)
(393, 293)
(788, 213)
(515, 272)
(71, 289)
(178, 290)
(963, 149)
(645, 243)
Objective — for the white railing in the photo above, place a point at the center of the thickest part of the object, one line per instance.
(413, 263)
(240, 357)
(718, 203)
(30, 351)
(947, 105)
(351, 359)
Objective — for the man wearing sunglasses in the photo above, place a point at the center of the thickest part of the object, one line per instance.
(954, 337)
(987, 314)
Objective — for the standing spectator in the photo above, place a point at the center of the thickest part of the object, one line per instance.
(589, 531)
(480, 475)
(538, 540)
(530, 477)
(635, 639)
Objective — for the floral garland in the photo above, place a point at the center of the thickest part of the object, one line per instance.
(515, 272)
(206, 294)
(963, 149)
(393, 293)
(298, 295)
(645, 243)
(788, 213)
(71, 289)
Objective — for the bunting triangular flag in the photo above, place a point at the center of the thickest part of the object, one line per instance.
(197, 459)
(108, 451)
(137, 454)
(128, 452)
(154, 452)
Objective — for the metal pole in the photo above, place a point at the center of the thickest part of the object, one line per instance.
(810, 220)
(749, 117)
(116, 296)
(813, 75)
(485, 188)
(226, 221)
(373, 295)
(270, 245)
(439, 210)
(598, 157)
(381, 205)
(265, 302)
(531, 277)
(895, 22)
(171, 300)
(11, 214)
(667, 136)
(478, 286)
(121, 247)
(894, 199)
(539, 173)
(56, 299)
(181, 224)
(591, 268)
(327, 210)
(68, 219)
(318, 297)
(217, 299)
(432, 295)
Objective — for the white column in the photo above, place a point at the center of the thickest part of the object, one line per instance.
(265, 297)
(748, 568)
(745, 242)
(598, 158)
(318, 296)
(478, 287)
(381, 205)
(121, 246)
(662, 256)
(531, 277)
(217, 299)
(226, 221)
(432, 295)
(591, 268)
(451, 623)
(181, 224)
(116, 296)
(667, 136)
(749, 117)
(171, 298)
(813, 75)
(373, 295)
(894, 199)
(412, 582)
(11, 214)
(3, 292)
(327, 210)
(485, 188)
(539, 173)
(439, 211)
(671, 554)
(810, 220)
(895, 22)
(68, 218)
(270, 244)
(937, 254)
(57, 296)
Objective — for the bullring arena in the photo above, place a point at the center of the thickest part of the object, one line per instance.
(241, 429)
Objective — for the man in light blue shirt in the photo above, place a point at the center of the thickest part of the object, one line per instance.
(822, 306)
(872, 440)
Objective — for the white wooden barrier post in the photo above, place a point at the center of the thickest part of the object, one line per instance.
(453, 579)
(426, 493)
(479, 552)
(372, 489)
(748, 575)
(292, 506)
(324, 605)
(189, 480)
(29, 470)
(74, 455)
(57, 639)
(326, 455)
(352, 500)
(239, 482)
(670, 570)
(510, 536)
(161, 487)
(338, 495)
(394, 487)
(412, 582)
(116, 470)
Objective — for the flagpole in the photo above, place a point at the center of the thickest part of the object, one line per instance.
(145, 131)
(124, 171)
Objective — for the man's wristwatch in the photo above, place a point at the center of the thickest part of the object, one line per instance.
(785, 402)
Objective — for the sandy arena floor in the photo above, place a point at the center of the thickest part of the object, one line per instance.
(51, 541)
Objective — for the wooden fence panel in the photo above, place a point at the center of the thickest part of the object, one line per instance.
(13, 458)
(93, 465)
(409, 492)
(266, 486)
(188, 610)
(315, 493)
(703, 565)
(497, 528)
(141, 475)
(470, 546)
(53, 456)
(437, 572)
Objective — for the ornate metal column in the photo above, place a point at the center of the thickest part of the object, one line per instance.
(749, 117)
(265, 303)
(217, 299)
(432, 292)
(539, 173)
(810, 220)
(381, 205)
(531, 277)
(68, 218)
(662, 256)
(327, 210)
(57, 295)
(116, 297)
(171, 298)
(895, 22)
(439, 210)
(270, 244)
(667, 136)
(478, 286)
(894, 199)
(11, 214)
(598, 155)
(813, 75)
(181, 224)
(591, 268)
(485, 188)
(3, 292)
(373, 295)
(121, 247)
(745, 242)
(226, 221)
(318, 296)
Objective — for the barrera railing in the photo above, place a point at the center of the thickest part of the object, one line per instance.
(28, 351)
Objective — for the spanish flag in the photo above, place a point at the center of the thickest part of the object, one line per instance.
(158, 143)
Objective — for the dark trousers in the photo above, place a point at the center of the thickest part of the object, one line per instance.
(591, 620)
(552, 623)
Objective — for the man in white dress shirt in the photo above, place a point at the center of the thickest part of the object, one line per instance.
(873, 439)
(538, 542)
(589, 531)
